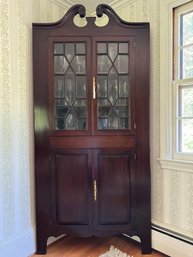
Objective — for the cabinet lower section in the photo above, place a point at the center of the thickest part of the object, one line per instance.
(92, 192)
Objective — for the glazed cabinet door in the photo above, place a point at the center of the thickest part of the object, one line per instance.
(69, 90)
(71, 186)
(114, 191)
(114, 103)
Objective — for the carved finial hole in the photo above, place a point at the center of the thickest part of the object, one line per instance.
(103, 21)
(79, 22)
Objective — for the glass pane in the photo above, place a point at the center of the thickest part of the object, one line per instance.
(60, 64)
(59, 124)
(104, 107)
(186, 65)
(102, 86)
(78, 64)
(123, 124)
(121, 108)
(82, 124)
(80, 48)
(185, 135)
(112, 50)
(113, 121)
(59, 86)
(71, 121)
(185, 104)
(102, 48)
(81, 86)
(69, 51)
(113, 86)
(186, 29)
(123, 86)
(58, 48)
(123, 48)
(103, 64)
(79, 108)
(122, 63)
(102, 123)
(70, 86)
(62, 108)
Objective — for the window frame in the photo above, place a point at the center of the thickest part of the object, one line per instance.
(178, 82)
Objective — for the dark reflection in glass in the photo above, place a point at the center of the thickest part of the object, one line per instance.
(82, 124)
(102, 86)
(62, 108)
(81, 86)
(102, 123)
(59, 124)
(80, 108)
(123, 123)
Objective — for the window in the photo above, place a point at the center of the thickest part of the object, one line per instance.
(183, 80)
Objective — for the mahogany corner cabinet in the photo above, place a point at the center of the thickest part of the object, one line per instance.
(91, 122)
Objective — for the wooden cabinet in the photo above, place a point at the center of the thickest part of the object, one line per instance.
(91, 121)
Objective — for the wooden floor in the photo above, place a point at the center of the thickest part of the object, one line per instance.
(94, 247)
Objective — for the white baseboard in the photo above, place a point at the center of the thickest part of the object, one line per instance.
(21, 245)
(171, 246)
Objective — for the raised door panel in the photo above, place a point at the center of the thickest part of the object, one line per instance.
(71, 187)
(115, 181)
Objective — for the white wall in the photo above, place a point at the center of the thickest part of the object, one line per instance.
(17, 222)
(16, 147)
(172, 190)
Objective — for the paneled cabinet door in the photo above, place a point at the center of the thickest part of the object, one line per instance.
(71, 190)
(115, 191)
(80, 192)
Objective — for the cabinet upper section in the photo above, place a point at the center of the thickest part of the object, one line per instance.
(90, 80)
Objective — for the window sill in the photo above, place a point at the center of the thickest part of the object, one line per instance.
(171, 164)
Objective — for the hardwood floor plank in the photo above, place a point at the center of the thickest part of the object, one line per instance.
(94, 247)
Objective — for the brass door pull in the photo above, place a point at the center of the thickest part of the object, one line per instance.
(94, 88)
(95, 190)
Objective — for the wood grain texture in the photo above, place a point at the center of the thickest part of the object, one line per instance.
(94, 247)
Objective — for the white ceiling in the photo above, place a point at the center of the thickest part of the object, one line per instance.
(90, 5)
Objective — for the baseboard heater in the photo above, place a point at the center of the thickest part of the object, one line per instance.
(173, 234)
